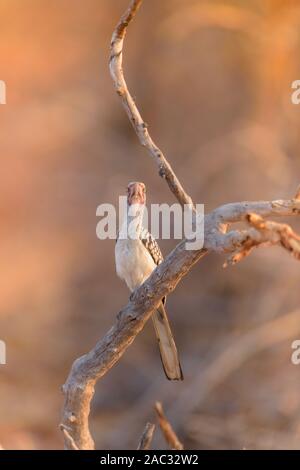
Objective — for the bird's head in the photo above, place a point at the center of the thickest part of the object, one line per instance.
(136, 193)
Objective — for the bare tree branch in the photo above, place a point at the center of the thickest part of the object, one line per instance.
(139, 125)
(236, 211)
(88, 369)
(167, 430)
(263, 233)
(68, 438)
(79, 387)
(146, 437)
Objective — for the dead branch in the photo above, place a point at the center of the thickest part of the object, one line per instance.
(167, 430)
(88, 369)
(146, 437)
(236, 211)
(139, 125)
(68, 439)
(263, 232)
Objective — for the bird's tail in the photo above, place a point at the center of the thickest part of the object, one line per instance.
(167, 346)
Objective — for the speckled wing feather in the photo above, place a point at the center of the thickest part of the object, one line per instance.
(152, 246)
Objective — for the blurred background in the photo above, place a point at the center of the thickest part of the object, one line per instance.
(213, 81)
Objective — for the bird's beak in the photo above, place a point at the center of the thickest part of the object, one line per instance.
(136, 194)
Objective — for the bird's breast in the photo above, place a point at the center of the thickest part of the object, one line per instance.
(133, 262)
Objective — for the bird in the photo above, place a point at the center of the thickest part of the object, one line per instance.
(137, 254)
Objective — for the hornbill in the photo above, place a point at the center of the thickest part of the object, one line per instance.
(137, 254)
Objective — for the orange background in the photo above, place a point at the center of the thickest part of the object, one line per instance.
(213, 81)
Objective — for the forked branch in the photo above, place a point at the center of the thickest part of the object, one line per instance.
(87, 370)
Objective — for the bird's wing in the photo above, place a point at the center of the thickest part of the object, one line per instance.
(152, 246)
